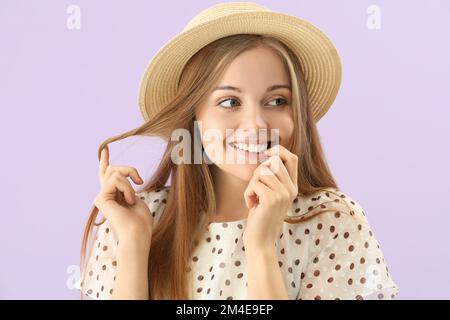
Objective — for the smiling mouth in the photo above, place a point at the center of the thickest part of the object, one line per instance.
(254, 149)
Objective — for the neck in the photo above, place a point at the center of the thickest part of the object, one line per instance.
(229, 193)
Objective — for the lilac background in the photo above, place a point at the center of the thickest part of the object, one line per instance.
(64, 91)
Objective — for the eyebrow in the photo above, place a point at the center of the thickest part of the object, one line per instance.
(271, 88)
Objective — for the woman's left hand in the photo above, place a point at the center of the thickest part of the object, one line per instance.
(269, 195)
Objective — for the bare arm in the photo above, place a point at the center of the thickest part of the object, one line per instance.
(265, 280)
(132, 270)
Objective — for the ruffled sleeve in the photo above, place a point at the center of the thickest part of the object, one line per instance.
(97, 282)
(345, 260)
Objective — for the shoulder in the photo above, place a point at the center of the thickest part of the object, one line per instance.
(329, 202)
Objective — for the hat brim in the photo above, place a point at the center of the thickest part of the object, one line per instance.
(318, 56)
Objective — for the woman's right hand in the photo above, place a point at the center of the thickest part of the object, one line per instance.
(129, 216)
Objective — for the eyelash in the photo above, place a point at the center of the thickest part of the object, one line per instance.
(232, 109)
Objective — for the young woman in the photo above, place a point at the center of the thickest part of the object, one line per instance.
(269, 224)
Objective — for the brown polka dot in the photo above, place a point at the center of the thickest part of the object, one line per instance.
(280, 263)
(219, 251)
(337, 214)
(298, 241)
(296, 262)
(213, 250)
(350, 281)
(317, 298)
(316, 273)
(89, 291)
(306, 231)
(97, 277)
(105, 248)
(111, 291)
(96, 257)
(362, 280)
(366, 245)
(210, 269)
(114, 263)
(227, 282)
(317, 242)
(293, 284)
(208, 239)
(319, 226)
(359, 297)
(91, 273)
(330, 280)
(332, 256)
(309, 285)
(359, 227)
(195, 259)
(378, 260)
(107, 230)
(230, 298)
(297, 210)
(290, 269)
(370, 233)
(380, 296)
(337, 267)
(200, 278)
(218, 237)
(237, 263)
(209, 290)
(282, 251)
(346, 235)
(332, 228)
(199, 289)
(350, 248)
(212, 277)
(240, 226)
(222, 265)
(362, 260)
(102, 288)
(104, 267)
(352, 266)
(240, 275)
(281, 235)
(225, 225)
(97, 295)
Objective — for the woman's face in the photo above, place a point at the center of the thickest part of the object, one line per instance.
(247, 111)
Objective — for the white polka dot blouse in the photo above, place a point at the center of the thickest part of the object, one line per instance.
(331, 256)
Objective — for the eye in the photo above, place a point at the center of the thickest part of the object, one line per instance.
(227, 107)
(284, 101)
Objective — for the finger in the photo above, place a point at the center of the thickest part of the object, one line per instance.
(104, 162)
(254, 191)
(289, 159)
(122, 184)
(281, 171)
(125, 172)
(132, 173)
(268, 177)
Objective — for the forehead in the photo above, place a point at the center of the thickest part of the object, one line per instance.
(255, 68)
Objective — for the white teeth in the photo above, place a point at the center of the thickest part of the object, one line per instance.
(250, 147)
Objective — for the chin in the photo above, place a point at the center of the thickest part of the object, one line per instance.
(242, 171)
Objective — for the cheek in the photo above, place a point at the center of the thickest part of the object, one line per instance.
(285, 124)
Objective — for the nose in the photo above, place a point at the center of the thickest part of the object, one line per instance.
(254, 120)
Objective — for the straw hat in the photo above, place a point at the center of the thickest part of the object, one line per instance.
(317, 55)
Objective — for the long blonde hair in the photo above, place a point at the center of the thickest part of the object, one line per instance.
(191, 188)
